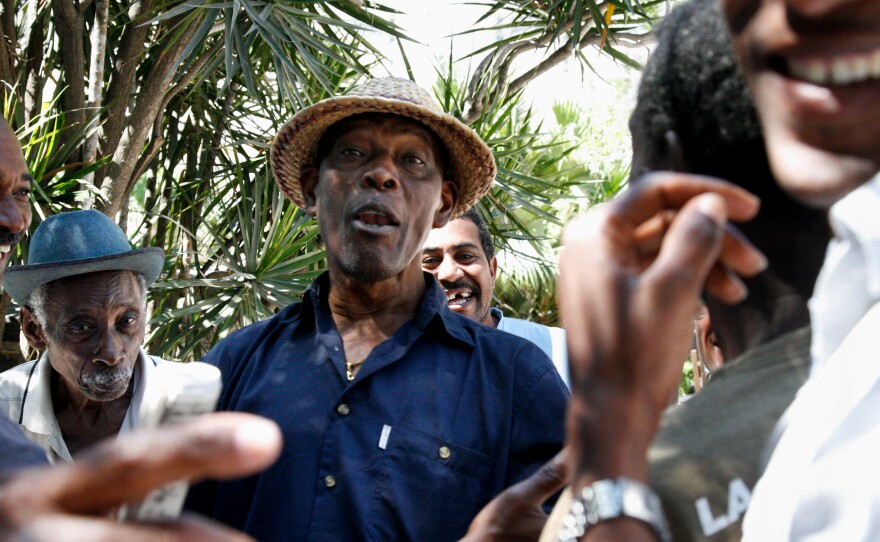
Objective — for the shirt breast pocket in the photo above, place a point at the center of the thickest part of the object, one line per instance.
(431, 488)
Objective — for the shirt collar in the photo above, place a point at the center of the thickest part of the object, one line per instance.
(855, 218)
(433, 307)
(38, 415)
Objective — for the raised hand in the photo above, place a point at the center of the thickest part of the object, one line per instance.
(631, 274)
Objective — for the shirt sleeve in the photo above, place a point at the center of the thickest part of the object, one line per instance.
(538, 431)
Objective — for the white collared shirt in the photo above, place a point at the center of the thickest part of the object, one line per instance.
(822, 481)
(26, 398)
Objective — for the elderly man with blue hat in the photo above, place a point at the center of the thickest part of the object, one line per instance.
(83, 298)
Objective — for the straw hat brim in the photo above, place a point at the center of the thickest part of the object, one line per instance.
(296, 145)
(21, 280)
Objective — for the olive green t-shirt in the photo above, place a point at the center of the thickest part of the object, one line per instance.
(711, 450)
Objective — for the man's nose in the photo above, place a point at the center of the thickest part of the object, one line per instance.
(382, 174)
(108, 349)
(448, 270)
(11, 216)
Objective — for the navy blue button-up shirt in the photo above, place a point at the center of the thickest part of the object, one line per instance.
(443, 415)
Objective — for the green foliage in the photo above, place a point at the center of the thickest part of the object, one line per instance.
(212, 81)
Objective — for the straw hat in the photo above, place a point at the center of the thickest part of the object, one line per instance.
(76, 243)
(296, 144)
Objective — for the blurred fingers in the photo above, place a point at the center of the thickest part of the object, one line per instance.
(60, 528)
(124, 470)
(663, 190)
(690, 248)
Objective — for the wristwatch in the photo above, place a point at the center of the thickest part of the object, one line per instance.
(608, 499)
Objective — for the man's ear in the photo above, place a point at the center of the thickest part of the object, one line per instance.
(33, 331)
(448, 199)
(493, 268)
(308, 180)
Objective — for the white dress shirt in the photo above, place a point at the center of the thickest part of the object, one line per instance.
(822, 481)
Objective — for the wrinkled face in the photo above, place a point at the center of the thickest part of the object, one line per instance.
(15, 189)
(814, 70)
(454, 255)
(94, 329)
(377, 193)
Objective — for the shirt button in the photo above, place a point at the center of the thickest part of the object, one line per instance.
(329, 480)
(343, 409)
(445, 452)
(336, 349)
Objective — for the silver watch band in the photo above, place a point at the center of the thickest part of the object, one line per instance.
(608, 499)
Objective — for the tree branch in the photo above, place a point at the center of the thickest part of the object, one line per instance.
(33, 37)
(117, 174)
(69, 26)
(98, 40)
(122, 79)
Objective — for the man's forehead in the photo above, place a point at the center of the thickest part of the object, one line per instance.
(99, 283)
(458, 233)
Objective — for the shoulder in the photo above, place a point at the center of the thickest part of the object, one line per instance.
(249, 337)
(17, 377)
(530, 366)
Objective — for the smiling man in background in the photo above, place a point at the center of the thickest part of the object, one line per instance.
(462, 257)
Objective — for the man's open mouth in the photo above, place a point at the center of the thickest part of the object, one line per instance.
(5, 249)
(844, 69)
(375, 218)
(458, 299)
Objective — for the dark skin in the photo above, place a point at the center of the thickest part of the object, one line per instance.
(95, 328)
(15, 189)
(631, 277)
(376, 193)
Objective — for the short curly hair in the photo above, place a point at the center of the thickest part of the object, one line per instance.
(485, 238)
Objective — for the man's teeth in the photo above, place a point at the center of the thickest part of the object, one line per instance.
(375, 219)
(459, 298)
(852, 68)
(5, 248)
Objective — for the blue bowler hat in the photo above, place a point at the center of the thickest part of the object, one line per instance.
(76, 243)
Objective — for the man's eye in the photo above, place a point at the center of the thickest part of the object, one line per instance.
(430, 261)
(466, 258)
(79, 327)
(413, 159)
(22, 193)
(128, 320)
(351, 151)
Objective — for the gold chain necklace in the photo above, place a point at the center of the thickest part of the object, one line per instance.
(350, 367)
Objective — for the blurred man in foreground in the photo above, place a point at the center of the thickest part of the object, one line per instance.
(809, 68)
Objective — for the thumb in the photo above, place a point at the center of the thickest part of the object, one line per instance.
(547, 480)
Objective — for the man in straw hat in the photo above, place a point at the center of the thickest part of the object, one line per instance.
(400, 418)
(83, 298)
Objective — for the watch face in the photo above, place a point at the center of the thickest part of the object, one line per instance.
(609, 499)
